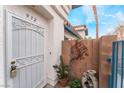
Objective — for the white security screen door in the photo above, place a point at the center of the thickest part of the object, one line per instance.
(25, 47)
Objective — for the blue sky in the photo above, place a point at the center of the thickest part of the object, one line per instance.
(110, 16)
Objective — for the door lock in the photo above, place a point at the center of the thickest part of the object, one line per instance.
(13, 70)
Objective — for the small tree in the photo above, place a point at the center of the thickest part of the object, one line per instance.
(61, 69)
(62, 72)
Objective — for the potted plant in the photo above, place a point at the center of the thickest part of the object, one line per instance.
(75, 83)
(62, 72)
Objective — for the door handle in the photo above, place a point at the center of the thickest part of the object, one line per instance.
(13, 70)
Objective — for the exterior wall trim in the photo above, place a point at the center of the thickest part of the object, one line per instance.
(57, 11)
(64, 9)
(72, 32)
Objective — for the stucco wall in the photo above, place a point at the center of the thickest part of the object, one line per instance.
(105, 51)
(1, 49)
(55, 38)
(79, 66)
(99, 51)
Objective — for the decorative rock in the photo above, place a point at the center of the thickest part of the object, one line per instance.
(89, 80)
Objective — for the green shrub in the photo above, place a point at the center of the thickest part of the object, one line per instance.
(75, 83)
(61, 69)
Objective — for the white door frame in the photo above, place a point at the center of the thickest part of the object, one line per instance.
(8, 37)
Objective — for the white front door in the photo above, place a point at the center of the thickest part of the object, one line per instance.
(24, 46)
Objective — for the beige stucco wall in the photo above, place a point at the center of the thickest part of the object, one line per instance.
(48, 18)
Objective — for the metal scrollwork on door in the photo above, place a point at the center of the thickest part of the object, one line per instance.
(19, 24)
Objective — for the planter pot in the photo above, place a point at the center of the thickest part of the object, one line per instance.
(63, 82)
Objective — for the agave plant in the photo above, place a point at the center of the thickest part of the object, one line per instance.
(61, 69)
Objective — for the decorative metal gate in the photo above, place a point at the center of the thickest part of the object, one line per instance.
(27, 51)
(117, 80)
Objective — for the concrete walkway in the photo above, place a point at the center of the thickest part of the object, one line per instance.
(56, 86)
